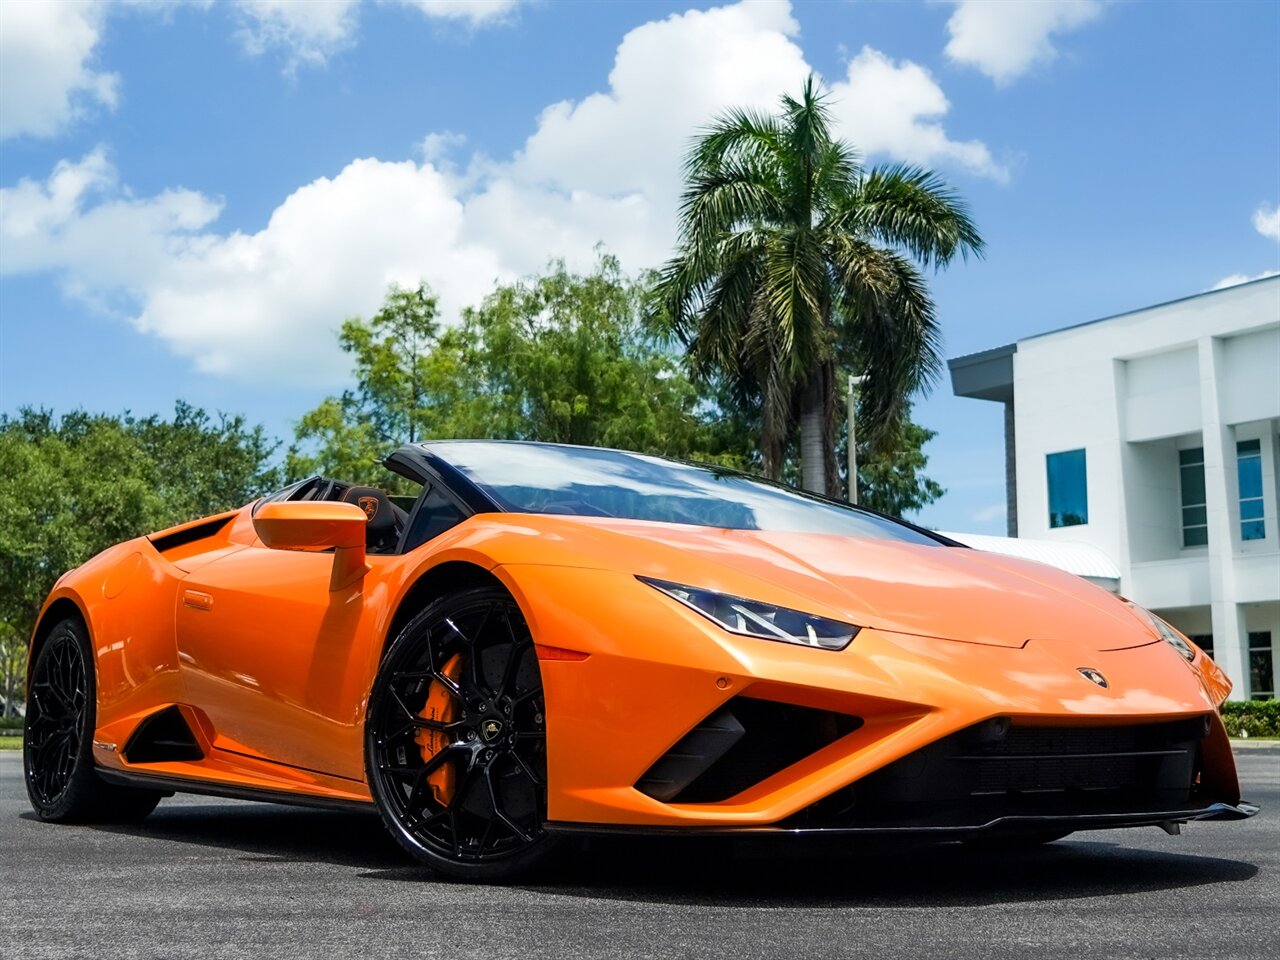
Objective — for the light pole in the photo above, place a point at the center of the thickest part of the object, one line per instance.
(854, 383)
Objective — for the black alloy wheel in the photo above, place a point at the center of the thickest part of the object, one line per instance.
(57, 748)
(455, 738)
(56, 719)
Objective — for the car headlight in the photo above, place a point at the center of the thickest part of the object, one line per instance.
(762, 620)
(1166, 632)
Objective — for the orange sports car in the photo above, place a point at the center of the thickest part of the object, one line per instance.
(548, 640)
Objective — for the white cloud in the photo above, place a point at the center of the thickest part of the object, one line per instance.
(896, 109)
(263, 305)
(473, 11)
(1267, 222)
(1006, 39)
(309, 33)
(81, 221)
(669, 77)
(605, 168)
(46, 77)
(1238, 278)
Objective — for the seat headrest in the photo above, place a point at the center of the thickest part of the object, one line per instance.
(376, 506)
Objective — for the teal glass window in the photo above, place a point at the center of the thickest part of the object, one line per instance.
(1195, 519)
(1068, 489)
(1249, 471)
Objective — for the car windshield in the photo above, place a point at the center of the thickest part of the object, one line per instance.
(589, 482)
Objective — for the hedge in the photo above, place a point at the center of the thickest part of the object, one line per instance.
(1252, 718)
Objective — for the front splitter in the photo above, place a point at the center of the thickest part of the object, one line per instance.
(1011, 824)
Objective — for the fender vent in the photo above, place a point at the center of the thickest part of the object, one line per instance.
(741, 744)
(180, 538)
(163, 737)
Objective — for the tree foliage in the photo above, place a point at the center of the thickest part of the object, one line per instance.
(561, 357)
(565, 358)
(794, 260)
(76, 485)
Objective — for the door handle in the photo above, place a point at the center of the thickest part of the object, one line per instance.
(197, 600)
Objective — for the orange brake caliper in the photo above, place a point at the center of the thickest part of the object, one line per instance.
(442, 707)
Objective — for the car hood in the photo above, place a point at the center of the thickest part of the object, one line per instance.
(954, 593)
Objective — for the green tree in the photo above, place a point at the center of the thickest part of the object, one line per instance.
(891, 476)
(76, 485)
(347, 435)
(794, 260)
(566, 358)
(561, 357)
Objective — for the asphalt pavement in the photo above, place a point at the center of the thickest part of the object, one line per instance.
(209, 878)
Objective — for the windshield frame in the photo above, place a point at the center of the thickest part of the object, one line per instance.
(433, 457)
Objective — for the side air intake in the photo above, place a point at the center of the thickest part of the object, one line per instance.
(741, 744)
(180, 538)
(163, 737)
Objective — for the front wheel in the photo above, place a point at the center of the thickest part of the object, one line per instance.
(57, 743)
(455, 739)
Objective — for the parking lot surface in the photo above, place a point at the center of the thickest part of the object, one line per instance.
(210, 878)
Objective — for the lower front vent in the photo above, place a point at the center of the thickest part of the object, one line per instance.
(163, 737)
(999, 769)
(741, 744)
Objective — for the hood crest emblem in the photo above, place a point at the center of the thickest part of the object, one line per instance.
(1093, 676)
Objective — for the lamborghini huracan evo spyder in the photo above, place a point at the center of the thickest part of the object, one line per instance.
(547, 640)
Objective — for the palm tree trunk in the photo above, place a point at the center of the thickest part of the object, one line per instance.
(813, 432)
(832, 407)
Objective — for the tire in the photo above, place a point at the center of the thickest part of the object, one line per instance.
(455, 739)
(57, 742)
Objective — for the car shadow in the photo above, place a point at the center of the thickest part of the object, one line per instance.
(802, 872)
(820, 873)
(271, 833)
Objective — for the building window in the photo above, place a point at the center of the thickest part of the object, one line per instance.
(1249, 469)
(1262, 677)
(1204, 641)
(1195, 518)
(1068, 490)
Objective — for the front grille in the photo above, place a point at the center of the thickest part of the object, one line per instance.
(999, 768)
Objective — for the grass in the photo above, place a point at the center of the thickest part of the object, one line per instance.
(10, 743)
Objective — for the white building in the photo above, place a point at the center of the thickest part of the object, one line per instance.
(1152, 436)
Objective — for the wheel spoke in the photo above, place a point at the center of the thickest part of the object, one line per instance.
(512, 670)
(499, 812)
(526, 769)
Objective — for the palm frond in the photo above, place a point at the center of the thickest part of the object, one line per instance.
(889, 323)
(910, 208)
(736, 194)
(736, 134)
(794, 284)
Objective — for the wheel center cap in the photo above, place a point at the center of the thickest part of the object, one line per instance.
(490, 730)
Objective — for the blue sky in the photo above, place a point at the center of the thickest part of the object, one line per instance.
(193, 196)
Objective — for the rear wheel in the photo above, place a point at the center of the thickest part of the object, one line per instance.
(455, 739)
(57, 749)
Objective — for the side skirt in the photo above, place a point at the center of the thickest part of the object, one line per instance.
(149, 781)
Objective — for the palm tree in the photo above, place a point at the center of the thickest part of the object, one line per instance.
(794, 260)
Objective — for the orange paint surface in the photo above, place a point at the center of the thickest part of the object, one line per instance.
(274, 651)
